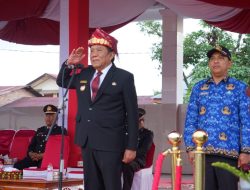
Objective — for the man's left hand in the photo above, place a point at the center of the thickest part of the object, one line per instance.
(243, 159)
(129, 155)
(39, 156)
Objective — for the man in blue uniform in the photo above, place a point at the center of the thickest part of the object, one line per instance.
(220, 105)
(37, 146)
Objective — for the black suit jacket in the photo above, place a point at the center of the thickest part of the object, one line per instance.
(101, 123)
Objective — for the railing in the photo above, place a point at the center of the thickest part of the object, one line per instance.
(174, 138)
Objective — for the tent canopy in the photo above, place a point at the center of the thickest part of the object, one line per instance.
(37, 22)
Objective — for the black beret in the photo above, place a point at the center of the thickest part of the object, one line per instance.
(49, 109)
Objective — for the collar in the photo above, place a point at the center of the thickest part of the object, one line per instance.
(105, 70)
(211, 80)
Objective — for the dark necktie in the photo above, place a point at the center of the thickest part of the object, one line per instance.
(95, 85)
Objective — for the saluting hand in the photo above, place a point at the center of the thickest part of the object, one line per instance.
(76, 56)
(129, 155)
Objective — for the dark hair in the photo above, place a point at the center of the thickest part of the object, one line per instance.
(111, 50)
(141, 112)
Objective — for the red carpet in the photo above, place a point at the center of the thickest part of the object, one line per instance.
(166, 184)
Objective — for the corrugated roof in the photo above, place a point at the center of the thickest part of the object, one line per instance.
(157, 96)
(144, 100)
(8, 89)
(41, 77)
(41, 101)
(32, 102)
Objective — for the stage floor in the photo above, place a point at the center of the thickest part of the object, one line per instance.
(165, 182)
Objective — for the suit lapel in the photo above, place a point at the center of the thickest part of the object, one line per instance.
(105, 82)
(88, 77)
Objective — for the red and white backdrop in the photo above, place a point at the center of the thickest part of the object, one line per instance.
(37, 22)
(69, 23)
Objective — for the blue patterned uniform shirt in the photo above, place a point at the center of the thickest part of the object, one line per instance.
(223, 111)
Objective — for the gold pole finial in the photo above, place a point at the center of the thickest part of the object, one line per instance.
(199, 138)
(174, 138)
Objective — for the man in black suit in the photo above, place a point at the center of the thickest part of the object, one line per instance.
(145, 141)
(102, 111)
(37, 145)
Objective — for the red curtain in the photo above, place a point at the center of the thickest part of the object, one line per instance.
(15, 9)
(31, 31)
(239, 23)
(244, 4)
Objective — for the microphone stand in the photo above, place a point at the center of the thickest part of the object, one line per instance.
(62, 106)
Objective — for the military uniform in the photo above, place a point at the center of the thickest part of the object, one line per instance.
(37, 145)
(38, 142)
(145, 140)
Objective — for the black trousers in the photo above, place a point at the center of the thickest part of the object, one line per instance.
(217, 178)
(27, 162)
(102, 169)
(128, 174)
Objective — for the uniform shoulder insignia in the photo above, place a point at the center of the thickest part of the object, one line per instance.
(83, 81)
(205, 87)
(230, 87)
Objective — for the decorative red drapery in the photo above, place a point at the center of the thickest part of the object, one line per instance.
(37, 22)
(239, 23)
(244, 4)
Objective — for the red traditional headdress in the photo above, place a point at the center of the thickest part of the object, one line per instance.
(100, 37)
